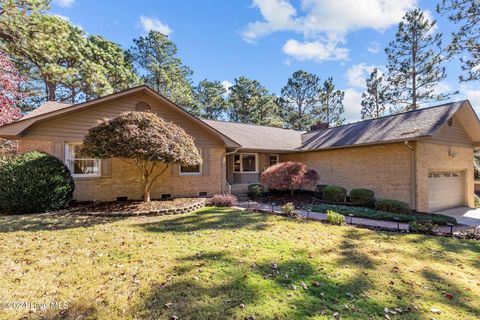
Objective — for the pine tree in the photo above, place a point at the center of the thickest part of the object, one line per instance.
(415, 63)
(465, 40)
(210, 99)
(374, 100)
(331, 101)
(299, 101)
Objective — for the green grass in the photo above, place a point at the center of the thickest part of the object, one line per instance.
(206, 264)
(438, 219)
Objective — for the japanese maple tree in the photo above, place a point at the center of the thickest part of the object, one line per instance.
(10, 95)
(288, 176)
(144, 140)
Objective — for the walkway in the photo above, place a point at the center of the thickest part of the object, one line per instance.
(464, 215)
(349, 220)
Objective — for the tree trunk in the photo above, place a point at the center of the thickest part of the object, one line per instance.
(146, 193)
(51, 91)
(292, 192)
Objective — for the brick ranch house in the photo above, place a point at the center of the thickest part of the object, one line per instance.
(423, 157)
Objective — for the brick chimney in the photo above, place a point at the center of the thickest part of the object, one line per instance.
(319, 126)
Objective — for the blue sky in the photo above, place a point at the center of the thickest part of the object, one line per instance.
(268, 40)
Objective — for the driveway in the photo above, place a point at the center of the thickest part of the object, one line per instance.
(464, 215)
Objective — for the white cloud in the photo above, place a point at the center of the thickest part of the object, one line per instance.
(64, 3)
(62, 17)
(374, 47)
(325, 19)
(357, 74)
(316, 50)
(352, 104)
(226, 85)
(472, 94)
(149, 23)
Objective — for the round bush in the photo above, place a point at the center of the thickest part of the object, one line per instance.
(334, 194)
(255, 190)
(395, 206)
(34, 182)
(362, 197)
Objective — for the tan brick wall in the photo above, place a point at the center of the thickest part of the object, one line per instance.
(125, 179)
(437, 157)
(385, 169)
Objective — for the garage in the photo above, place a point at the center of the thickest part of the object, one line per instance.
(445, 190)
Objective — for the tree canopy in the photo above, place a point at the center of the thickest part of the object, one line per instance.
(288, 176)
(210, 102)
(144, 140)
(375, 98)
(10, 96)
(331, 101)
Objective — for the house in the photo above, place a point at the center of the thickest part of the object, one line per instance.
(423, 157)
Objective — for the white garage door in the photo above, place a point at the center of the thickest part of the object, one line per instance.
(445, 190)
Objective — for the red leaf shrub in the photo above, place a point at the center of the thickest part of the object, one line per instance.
(289, 175)
(223, 200)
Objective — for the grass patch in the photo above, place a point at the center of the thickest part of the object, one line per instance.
(205, 265)
(438, 219)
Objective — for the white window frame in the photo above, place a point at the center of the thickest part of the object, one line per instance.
(80, 175)
(241, 162)
(273, 155)
(199, 173)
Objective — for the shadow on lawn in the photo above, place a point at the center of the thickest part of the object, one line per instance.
(217, 218)
(49, 222)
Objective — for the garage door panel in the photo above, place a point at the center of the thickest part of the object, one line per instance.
(445, 190)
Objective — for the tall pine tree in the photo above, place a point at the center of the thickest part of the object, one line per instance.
(331, 101)
(299, 101)
(415, 63)
(210, 102)
(465, 40)
(374, 99)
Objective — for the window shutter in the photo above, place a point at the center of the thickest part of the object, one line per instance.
(206, 159)
(106, 167)
(59, 150)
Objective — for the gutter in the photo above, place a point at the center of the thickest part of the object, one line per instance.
(413, 166)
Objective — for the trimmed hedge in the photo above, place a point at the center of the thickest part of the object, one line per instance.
(334, 194)
(382, 215)
(34, 182)
(362, 197)
(255, 190)
(223, 200)
(390, 205)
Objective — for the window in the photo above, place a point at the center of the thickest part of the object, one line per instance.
(272, 159)
(245, 162)
(78, 165)
(195, 170)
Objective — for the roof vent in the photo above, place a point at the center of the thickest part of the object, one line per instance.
(319, 126)
(143, 107)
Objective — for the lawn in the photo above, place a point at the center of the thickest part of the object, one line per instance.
(227, 264)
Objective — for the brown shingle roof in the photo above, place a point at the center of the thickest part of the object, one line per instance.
(47, 107)
(251, 136)
(404, 126)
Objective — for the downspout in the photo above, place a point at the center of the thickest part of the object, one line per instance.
(224, 168)
(413, 167)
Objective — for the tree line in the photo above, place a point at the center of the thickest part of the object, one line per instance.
(46, 58)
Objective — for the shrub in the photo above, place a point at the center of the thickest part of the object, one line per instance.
(335, 218)
(288, 176)
(223, 200)
(360, 212)
(334, 194)
(392, 206)
(255, 190)
(472, 234)
(424, 227)
(362, 197)
(34, 182)
(477, 201)
(289, 209)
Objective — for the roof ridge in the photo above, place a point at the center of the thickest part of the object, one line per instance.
(253, 124)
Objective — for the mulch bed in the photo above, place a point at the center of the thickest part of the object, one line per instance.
(135, 208)
(299, 199)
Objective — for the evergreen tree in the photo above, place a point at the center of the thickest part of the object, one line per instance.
(465, 40)
(161, 68)
(210, 99)
(250, 102)
(374, 100)
(331, 101)
(299, 101)
(415, 63)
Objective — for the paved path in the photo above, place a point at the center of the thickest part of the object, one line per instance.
(350, 220)
(464, 215)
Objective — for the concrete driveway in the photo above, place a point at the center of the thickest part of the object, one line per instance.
(464, 215)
